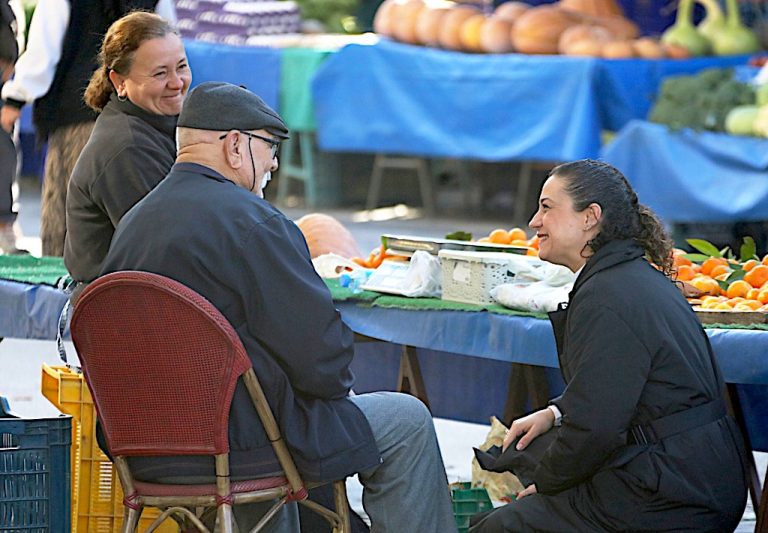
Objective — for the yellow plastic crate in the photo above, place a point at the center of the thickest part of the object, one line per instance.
(97, 497)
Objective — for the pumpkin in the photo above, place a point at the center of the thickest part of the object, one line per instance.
(596, 8)
(538, 30)
(676, 51)
(618, 50)
(621, 27)
(470, 32)
(428, 24)
(583, 32)
(449, 34)
(648, 48)
(511, 11)
(496, 35)
(324, 234)
(405, 16)
(383, 20)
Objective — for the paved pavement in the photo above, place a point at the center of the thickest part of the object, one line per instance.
(21, 359)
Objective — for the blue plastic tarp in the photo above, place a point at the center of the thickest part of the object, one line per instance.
(397, 98)
(689, 176)
(257, 68)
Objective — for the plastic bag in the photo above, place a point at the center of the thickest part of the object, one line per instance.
(332, 265)
(424, 276)
(539, 290)
(501, 486)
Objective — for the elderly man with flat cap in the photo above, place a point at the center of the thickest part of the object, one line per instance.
(207, 225)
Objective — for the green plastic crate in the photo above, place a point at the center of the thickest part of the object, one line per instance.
(468, 501)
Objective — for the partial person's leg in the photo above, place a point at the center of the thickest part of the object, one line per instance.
(8, 165)
(409, 490)
(64, 147)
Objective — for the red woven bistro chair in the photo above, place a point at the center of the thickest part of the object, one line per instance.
(162, 364)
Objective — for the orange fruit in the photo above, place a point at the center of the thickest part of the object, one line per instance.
(718, 270)
(757, 276)
(752, 305)
(679, 260)
(484, 239)
(532, 252)
(534, 242)
(752, 294)
(712, 262)
(722, 306)
(762, 296)
(738, 288)
(519, 242)
(517, 234)
(499, 236)
(733, 301)
(685, 273)
(749, 265)
(706, 284)
(765, 259)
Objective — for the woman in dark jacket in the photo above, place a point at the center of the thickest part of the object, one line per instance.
(138, 91)
(642, 441)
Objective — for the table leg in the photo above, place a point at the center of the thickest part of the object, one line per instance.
(527, 385)
(410, 379)
(757, 491)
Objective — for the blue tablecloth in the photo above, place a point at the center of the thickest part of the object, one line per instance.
(689, 176)
(397, 98)
(258, 68)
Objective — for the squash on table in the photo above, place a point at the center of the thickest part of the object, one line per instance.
(405, 16)
(470, 32)
(583, 39)
(675, 51)
(449, 34)
(597, 8)
(538, 30)
(618, 50)
(324, 234)
(511, 11)
(429, 22)
(496, 35)
(683, 33)
(648, 48)
(713, 21)
(734, 38)
(621, 27)
(383, 20)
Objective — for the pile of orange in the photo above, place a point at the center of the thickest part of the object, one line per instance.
(747, 294)
(513, 237)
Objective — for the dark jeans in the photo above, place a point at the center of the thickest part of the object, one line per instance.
(8, 167)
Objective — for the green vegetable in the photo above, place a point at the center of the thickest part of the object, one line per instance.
(700, 102)
(459, 236)
(683, 32)
(734, 38)
(762, 94)
(713, 21)
(760, 125)
(336, 15)
(741, 119)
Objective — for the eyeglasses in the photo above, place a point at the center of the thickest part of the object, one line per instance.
(275, 145)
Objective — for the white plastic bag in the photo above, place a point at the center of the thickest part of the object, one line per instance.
(332, 265)
(423, 277)
(539, 291)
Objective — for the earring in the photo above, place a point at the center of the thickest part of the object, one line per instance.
(122, 97)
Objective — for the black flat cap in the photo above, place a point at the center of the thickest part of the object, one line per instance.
(220, 106)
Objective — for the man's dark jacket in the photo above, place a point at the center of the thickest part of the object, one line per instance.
(253, 264)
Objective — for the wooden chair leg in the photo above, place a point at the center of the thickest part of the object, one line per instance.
(410, 379)
(342, 506)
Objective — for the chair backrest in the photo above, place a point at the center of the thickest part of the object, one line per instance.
(162, 363)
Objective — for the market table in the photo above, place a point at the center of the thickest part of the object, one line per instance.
(688, 176)
(397, 98)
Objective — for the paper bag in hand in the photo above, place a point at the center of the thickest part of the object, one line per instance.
(522, 463)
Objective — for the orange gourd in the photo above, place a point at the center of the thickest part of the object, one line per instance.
(511, 11)
(538, 30)
(597, 8)
(583, 39)
(428, 24)
(449, 34)
(496, 35)
(324, 234)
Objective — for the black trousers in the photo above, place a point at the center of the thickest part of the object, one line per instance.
(8, 166)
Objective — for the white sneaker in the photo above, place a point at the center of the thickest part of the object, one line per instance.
(8, 236)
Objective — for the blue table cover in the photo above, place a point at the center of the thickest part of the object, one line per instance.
(258, 68)
(397, 98)
(689, 176)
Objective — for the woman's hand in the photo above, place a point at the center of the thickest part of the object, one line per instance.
(530, 489)
(530, 427)
(8, 117)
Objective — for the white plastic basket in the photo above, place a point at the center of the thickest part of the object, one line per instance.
(468, 277)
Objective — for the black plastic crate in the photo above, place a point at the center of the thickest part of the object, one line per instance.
(35, 475)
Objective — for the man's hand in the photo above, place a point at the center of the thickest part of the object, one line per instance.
(530, 427)
(8, 117)
(530, 489)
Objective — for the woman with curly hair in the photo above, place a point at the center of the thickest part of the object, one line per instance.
(640, 439)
